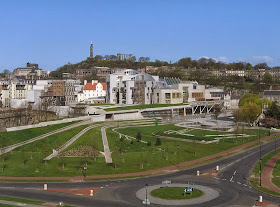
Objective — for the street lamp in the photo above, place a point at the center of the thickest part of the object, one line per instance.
(146, 195)
(275, 144)
(178, 155)
(260, 165)
(85, 166)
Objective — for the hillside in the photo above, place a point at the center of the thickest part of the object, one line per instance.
(88, 63)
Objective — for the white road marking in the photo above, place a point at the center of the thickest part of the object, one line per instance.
(234, 172)
(8, 187)
(239, 183)
(231, 179)
(245, 185)
(224, 179)
(217, 178)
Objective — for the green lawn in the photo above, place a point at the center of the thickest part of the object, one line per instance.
(198, 133)
(91, 138)
(21, 200)
(144, 106)
(9, 138)
(175, 193)
(127, 156)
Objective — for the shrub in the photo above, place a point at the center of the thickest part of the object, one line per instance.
(138, 137)
(149, 143)
(158, 142)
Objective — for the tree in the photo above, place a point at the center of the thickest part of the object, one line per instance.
(133, 59)
(250, 112)
(274, 111)
(185, 62)
(261, 66)
(6, 71)
(269, 122)
(138, 137)
(268, 79)
(99, 57)
(158, 142)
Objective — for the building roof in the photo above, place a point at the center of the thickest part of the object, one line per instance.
(90, 86)
(272, 92)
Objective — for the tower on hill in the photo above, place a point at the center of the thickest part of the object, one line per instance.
(91, 50)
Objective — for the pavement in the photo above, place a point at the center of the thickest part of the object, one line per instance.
(107, 153)
(267, 174)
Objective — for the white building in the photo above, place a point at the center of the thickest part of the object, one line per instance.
(13, 90)
(92, 91)
(130, 87)
(185, 92)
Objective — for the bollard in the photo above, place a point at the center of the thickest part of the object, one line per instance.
(217, 167)
(197, 172)
(91, 193)
(260, 199)
(45, 186)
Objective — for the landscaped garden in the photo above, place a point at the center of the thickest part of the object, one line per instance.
(147, 152)
(13, 137)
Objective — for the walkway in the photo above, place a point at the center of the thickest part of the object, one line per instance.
(267, 174)
(107, 153)
(70, 141)
(149, 172)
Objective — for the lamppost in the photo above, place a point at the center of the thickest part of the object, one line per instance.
(274, 144)
(178, 155)
(85, 166)
(146, 195)
(260, 165)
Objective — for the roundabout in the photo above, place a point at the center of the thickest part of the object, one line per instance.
(207, 194)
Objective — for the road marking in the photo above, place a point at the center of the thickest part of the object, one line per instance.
(250, 187)
(234, 172)
(245, 185)
(224, 179)
(217, 178)
(8, 187)
(239, 183)
(231, 179)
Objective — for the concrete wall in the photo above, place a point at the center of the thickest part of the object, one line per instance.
(127, 116)
(98, 118)
(47, 123)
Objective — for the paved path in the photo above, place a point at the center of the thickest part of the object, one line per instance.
(209, 194)
(70, 141)
(11, 147)
(267, 173)
(108, 157)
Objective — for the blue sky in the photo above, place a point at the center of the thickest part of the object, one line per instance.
(54, 32)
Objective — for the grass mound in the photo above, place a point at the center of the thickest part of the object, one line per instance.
(175, 193)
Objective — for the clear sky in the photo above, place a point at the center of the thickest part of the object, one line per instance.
(54, 32)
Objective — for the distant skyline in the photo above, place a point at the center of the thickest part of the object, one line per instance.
(55, 32)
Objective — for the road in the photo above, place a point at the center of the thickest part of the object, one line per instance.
(231, 183)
